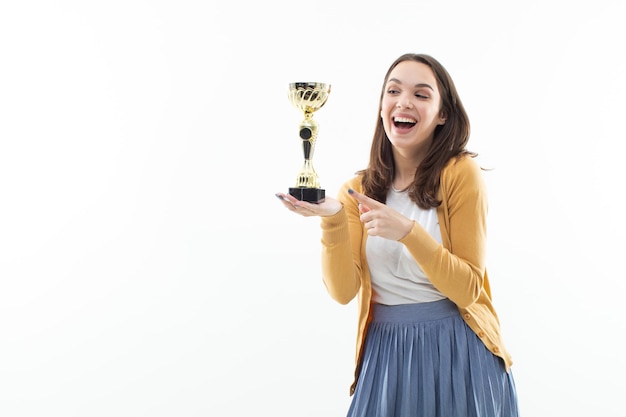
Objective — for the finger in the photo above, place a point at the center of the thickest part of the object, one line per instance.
(289, 201)
(287, 198)
(363, 208)
(370, 226)
(363, 199)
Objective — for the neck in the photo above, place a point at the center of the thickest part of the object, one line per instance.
(404, 171)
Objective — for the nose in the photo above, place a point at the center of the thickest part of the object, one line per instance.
(404, 102)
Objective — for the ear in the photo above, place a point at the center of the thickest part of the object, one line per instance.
(442, 119)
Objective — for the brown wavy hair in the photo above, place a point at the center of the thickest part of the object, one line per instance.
(449, 142)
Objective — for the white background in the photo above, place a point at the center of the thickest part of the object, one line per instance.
(146, 268)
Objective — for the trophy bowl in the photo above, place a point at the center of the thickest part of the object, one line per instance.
(308, 97)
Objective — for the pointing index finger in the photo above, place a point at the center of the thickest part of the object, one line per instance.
(361, 198)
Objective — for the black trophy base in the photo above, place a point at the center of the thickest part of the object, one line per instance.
(311, 195)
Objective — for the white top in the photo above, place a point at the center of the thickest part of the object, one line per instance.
(396, 277)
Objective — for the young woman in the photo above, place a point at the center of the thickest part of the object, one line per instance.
(407, 236)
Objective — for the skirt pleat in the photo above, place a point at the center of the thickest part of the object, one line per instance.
(422, 360)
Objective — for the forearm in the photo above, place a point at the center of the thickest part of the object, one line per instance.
(460, 279)
(340, 272)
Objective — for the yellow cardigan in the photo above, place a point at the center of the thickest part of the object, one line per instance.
(456, 267)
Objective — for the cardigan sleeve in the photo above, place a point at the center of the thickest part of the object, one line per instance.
(341, 248)
(457, 268)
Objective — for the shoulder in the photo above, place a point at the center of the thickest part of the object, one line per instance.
(462, 172)
(459, 165)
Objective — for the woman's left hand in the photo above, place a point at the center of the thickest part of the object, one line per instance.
(329, 207)
(380, 220)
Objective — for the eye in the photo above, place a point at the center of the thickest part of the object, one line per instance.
(422, 96)
(392, 91)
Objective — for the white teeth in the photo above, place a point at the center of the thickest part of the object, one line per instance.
(404, 120)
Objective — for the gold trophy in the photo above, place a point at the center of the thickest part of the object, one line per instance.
(308, 97)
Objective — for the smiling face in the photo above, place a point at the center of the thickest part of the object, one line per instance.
(410, 108)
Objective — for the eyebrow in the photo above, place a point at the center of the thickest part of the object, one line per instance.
(419, 85)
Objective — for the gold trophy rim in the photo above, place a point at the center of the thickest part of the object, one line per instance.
(299, 84)
(309, 106)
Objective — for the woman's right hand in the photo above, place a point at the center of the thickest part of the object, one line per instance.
(329, 207)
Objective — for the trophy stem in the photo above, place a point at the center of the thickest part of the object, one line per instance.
(307, 177)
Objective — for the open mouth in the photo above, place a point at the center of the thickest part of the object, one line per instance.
(404, 122)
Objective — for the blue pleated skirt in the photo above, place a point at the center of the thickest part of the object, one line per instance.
(422, 360)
